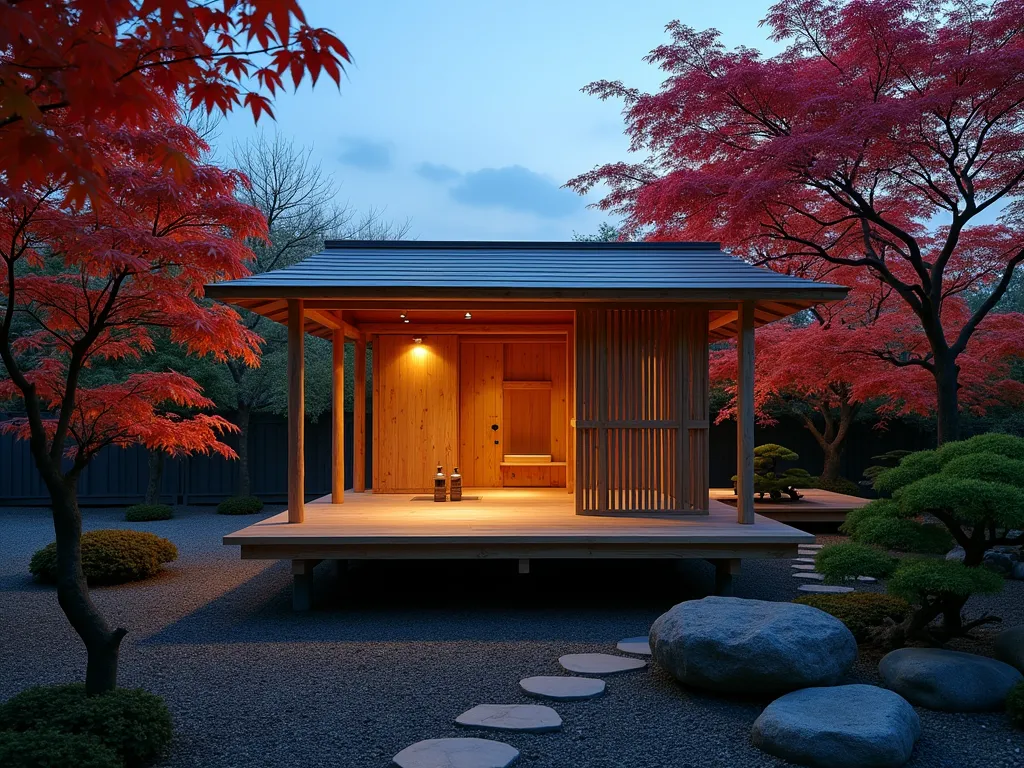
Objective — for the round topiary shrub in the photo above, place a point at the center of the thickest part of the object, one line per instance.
(131, 723)
(840, 485)
(53, 749)
(143, 513)
(240, 505)
(1015, 704)
(110, 557)
(860, 611)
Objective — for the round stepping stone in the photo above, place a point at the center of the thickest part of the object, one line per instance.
(457, 753)
(531, 718)
(803, 559)
(599, 663)
(867, 579)
(562, 688)
(803, 566)
(638, 645)
(813, 576)
(810, 546)
(833, 589)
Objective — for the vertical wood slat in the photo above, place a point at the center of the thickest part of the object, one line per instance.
(338, 416)
(745, 416)
(359, 418)
(296, 413)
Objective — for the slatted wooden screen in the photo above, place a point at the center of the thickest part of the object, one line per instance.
(641, 418)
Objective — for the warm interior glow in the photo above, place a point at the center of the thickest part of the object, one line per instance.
(420, 351)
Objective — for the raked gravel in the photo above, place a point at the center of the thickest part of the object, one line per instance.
(403, 649)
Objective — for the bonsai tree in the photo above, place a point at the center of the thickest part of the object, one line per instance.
(969, 493)
(767, 478)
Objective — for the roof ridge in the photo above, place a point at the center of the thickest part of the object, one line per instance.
(536, 245)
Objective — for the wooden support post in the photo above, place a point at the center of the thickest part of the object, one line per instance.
(524, 565)
(745, 416)
(302, 584)
(296, 413)
(359, 418)
(338, 418)
(725, 570)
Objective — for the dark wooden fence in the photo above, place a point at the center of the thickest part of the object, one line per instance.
(119, 476)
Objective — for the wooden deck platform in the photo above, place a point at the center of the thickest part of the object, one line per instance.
(509, 523)
(816, 506)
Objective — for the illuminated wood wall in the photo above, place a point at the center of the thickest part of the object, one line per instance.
(642, 411)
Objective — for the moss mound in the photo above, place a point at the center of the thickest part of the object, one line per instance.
(240, 505)
(840, 485)
(110, 557)
(860, 611)
(53, 749)
(132, 725)
(143, 513)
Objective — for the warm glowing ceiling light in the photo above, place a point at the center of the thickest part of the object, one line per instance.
(402, 315)
(418, 340)
(469, 316)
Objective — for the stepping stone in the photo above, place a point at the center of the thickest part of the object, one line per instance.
(637, 645)
(813, 576)
(531, 718)
(599, 663)
(562, 688)
(806, 552)
(810, 546)
(803, 566)
(833, 589)
(868, 579)
(457, 753)
(803, 559)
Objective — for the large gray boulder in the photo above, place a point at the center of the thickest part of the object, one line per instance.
(950, 681)
(731, 645)
(845, 726)
(1009, 647)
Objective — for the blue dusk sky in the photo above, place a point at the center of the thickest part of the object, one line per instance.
(466, 117)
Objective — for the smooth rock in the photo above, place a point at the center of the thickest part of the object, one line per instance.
(531, 718)
(867, 579)
(599, 663)
(1018, 571)
(956, 553)
(833, 589)
(999, 562)
(1009, 647)
(457, 753)
(845, 726)
(950, 681)
(802, 566)
(733, 645)
(812, 576)
(562, 688)
(638, 645)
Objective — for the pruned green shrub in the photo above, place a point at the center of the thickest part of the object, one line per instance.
(110, 557)
(840, 485)
(52, 749)
(133, 724)
(839, 562)
(969, 493)
(240, 505)
(770, 481)
(143, 513)
(860, 611)
(1015, 704)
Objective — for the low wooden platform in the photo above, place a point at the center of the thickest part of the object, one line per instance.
(816, 506)
(510, 523)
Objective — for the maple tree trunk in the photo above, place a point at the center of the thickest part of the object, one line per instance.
(101, 643)
(833, 453)
(156, 475)
(244, 413)
(948, 405)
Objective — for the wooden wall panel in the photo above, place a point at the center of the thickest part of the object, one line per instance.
(415, 412)
(639, 439)
(480, 406)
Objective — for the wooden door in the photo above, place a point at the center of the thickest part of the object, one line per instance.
(480, 409)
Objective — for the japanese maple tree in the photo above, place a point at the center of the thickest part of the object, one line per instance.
(110, 225)
(888, 137)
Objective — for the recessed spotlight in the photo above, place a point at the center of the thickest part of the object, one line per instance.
(469, 316)
(418, 340)
(406, 320)
(402, 315)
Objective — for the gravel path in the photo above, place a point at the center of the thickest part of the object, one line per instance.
(405, 648)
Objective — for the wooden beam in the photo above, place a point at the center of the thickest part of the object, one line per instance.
(466, 328)
(296, 414)
(745, 416)
(326, 317)
(718, 322)
(359, 418)
(338, 416)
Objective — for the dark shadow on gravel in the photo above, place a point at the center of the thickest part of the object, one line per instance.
(400, 601)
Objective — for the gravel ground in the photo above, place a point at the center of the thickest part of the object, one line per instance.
(403, 649)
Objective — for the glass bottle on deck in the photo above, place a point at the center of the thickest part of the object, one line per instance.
(456, 485)
(439, 484)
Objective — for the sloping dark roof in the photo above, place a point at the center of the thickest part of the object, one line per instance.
(642, 270)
